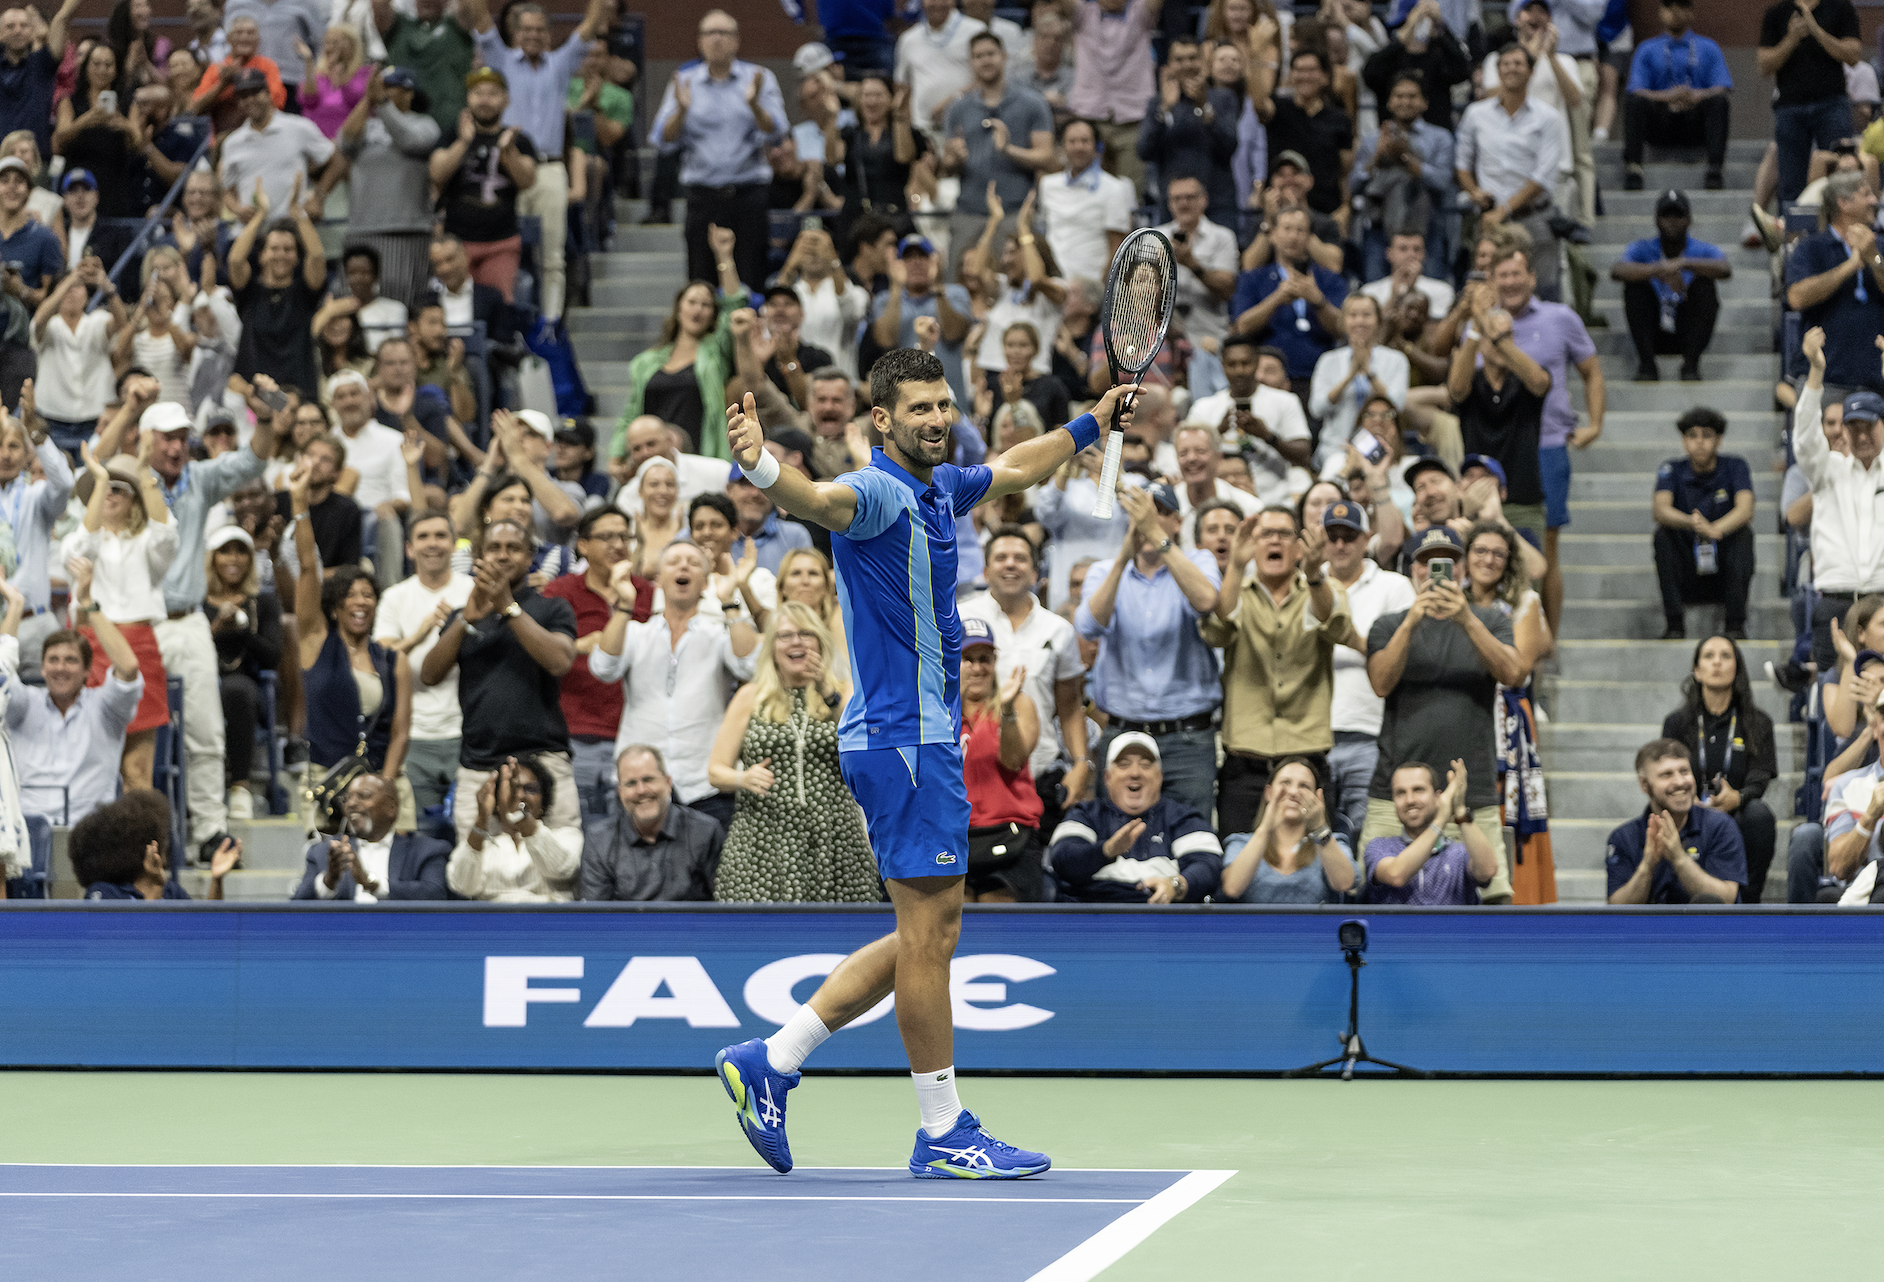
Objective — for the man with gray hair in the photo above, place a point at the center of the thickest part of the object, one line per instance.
(1835, 280)
(649, 848)
(285, 26)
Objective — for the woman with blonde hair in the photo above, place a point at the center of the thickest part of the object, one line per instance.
(804, 575)
(130, 541)
(797, 835)
(338, 82)
(659, 518)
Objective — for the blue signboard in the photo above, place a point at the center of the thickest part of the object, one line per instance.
(1212, 990)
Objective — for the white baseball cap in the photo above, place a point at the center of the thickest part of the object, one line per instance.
(538, 422)
(165, 416)
(1132, 739)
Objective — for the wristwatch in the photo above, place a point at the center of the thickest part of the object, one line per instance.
(513, 610)
(1164, 547)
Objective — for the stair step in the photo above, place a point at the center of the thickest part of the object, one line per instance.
(1641, 620)
(1610, 700)
(1748, 150)
(1637, 582)
(1729, 340)
(1639, 206)
(1589, 484)
(1597, 793)
(1641, 460)
(1609, 660)
(1591, 550)
(1619, 367)
(1607, 746)
(1625, 426)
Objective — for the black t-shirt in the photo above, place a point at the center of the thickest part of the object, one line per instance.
(1321, 138)
(675, 398)
(336, 522)
(511, 704)
(1503, 423)
(480, 200)
(809, 358)
(103, 151)
(872, 172)
(1811, 74)
(277, 338)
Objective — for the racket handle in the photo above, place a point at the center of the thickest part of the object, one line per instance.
(1109, 475)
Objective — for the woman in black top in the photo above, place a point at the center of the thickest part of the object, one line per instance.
(1020, 343)
(245, 624)
(877, 152)
(1730, 744)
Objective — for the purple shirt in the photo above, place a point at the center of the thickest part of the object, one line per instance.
(1553, 335)
(1112, 63)
(1443, 881)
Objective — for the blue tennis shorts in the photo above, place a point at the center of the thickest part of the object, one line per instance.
(1553, 463)
(915, 806)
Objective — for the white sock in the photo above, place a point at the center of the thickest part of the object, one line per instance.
(935, 1096)
(786, 1049)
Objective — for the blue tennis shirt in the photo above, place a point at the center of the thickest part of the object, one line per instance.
(896, 585)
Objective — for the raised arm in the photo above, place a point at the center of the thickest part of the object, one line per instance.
(1033, 461)
(831, 505)
(560, 507)
(239, 269)
(110, 639)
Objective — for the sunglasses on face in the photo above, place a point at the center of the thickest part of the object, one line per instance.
(1342, 534)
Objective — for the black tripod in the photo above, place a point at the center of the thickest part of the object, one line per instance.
(1352, 1051)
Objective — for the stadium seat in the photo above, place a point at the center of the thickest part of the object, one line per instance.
(277, 799)
(169, 774)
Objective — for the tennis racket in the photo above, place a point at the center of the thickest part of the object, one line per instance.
(1133, 318)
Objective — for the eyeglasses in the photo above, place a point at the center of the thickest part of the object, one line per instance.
(1495, 555)
(793, 635)
(1267, 535)
(727, 32)
(1380, 416)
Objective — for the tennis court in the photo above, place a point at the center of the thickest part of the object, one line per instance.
(287, 1175)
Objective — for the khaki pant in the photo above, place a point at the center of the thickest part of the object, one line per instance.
(1581, 149)
(548, 200)
(565, 808)
(189, 652)
(1381, 822)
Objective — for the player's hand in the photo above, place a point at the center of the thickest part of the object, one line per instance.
(744, 437)
(1124, 839)
(1108, 409)
(757, 779)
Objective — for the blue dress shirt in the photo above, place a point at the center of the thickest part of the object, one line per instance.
(539, 92)
(1153, 665)
(1666, 63)
(724, 144)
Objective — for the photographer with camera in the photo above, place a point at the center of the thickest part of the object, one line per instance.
(368, 862)
(1439, 664)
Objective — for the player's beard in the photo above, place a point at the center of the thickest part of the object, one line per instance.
(910, 440)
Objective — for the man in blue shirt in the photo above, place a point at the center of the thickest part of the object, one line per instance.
(723, 114)
(26, 73)
(1404, 172)
(857, 31)
(1417, 865)
(1668, 291)
(899, 742)
(1703, 542)
(1835, 280)
(1291, 304)
(24, 240)
(1677, 852)
(1677, 96)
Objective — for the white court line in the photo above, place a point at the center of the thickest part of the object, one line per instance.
(611, 1197)
(1106, 1247)
(514, 1166)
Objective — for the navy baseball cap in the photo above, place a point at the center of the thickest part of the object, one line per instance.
(1165, 497)
(77, 178)
(921, 244)
(976, 632)
(1864, 659)
(1491, 465)
(1430, 463)
(1347, 515)
(1438, 539)
(399, 78)
(1864, 405)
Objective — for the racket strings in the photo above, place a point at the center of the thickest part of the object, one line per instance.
(1139, 303)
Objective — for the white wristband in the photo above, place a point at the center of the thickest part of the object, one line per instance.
(764, 473)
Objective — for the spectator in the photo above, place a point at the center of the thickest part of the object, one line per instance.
(604, 540)
(880, 153)
(1134, 844)
(68, 738)
(1355, 710)
(411, 615)
(378, 317)
(1732, 749)
(687, 711)
(792, 359)
(513, 851)
(27, 73)
(914, 293)
(806, 576)
(284, 30)
(433, 47)
(270, 151)
(1088, 211)
(370, 861)
(78, 227)
(1000, 732)
(1439, 499)
(33, 506)
(333, 515)
(1507, 155)
(1404, 174)
(761, 525)
(677, 381)
(575, 461)
(649, 848)
(1019, 380)
(1806, 50)
(482, 178)
(439, 361)
(1837, 283)
(1438, 665)
(1678, 852)
(1677, 96)
(24, 239)
(1413, 866)
(1200, 450)
(529, 495)
(94, 136)
(512, 646)
(1278, 628)
(1500, 406)
(122, 851)
(165, 146)
(740, 112)
(245, 623)
(151, 340)
(1113, 73)
(207, 40)
(1064, 507)
(1289, 185)
(388, 141)
(1206, 261)
(659, 517)
(1845, 844)
(1266, 425)
(1265, 297)
(1309, 124)
(216, 93)
(359, 693)
(1293, 857)
(73, 382)
(1346, 378)
(467, 301)
(1406, 257)
(1668, 291)
(1190, 129)
(376, 453)
(1422, 46)
(278, 301)
(1703, 537)
(649, 437)
(832, 306)
(713, 524)
(1847, 497)
(932, 59)
(999, 138)
(1155, 675)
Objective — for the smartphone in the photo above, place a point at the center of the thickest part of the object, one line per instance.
(1475, 275)
(273, 398)
(284, 505)
(1368, 446)
(1439, 569)
(108, 100)
(582, 131)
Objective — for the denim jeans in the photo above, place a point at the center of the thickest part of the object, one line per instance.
(1350, 769)
(1798, 129)
(1189, 760)
(1805, 863)
(593, 760)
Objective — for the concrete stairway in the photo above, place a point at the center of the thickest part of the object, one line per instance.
(632, 292)
(1613, 680)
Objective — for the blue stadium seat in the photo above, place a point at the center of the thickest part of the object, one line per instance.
(169, 774)
(277, 799)
(36, 883)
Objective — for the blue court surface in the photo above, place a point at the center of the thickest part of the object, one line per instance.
(471, 1223)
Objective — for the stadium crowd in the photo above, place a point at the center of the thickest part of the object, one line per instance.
(525, 657)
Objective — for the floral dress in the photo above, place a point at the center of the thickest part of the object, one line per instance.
(804, 841)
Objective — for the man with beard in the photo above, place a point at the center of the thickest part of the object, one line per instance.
(1439, 500)
(335, 516)
(369, 863)
(833, 409)
(411, 612)
(480, 177)
(279, 152)
(1418, 865)
(1676, 852)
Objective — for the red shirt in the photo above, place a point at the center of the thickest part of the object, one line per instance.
(996, 795)
(593, 708)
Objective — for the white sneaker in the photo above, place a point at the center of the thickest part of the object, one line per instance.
(1599, 134)
(241, 803)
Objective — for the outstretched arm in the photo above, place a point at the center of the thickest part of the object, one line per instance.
(831, 505)
(1032, 462)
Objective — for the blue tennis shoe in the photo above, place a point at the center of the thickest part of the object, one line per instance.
(969, 1153)
(758, 1094)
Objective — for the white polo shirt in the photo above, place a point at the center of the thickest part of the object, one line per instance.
(375, 452)
(1356, 709)
(1438, 293)
(1205, 316)
(1049, 648)
(1281, 412)
(1080, 209)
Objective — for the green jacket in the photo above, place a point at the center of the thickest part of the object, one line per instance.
(712, 366)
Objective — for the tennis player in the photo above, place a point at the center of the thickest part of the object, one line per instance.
(899, 743)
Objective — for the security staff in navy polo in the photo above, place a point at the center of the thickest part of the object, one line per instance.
(1678, 852)
(1703, 507)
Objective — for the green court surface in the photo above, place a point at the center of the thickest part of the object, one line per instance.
(1375, 1180)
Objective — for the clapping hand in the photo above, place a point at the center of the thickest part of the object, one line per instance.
(1314, 546)
(1011, 689)
(1454, 810)
(996, 210)
(1124, 839)
(79, 572)
(1144, 530)
(683, 93)
(340, 861)
(739, 573)
(97, 468)
(753, 89)
(621, 583)
(227, 856)
(997, 134)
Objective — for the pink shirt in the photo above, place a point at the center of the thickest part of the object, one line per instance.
(1112, 74)
(327, 104)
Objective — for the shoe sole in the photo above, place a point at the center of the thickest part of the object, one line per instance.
(941, 1171)
(735, 1087)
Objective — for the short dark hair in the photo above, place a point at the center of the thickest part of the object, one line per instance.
(1319, 55)
(1013, 531)
(586, 526)
(980, 36)
(1242, 340)
(497, 485)
(1413, 78)
(719, 503)
(419, 518)
(899, 366)
(70, 636)
(425, 302)
(1702, 416)
(1432, 775)
(1273, 352)
(1078, 120)
(367, 252)
(1204, 509)
(868, 229)
(334, 591)
(108, 845)
(1660, 750)
(534, 764)
(1515, 45)
(1283, 509)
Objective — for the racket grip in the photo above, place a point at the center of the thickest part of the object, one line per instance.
(1109, 474)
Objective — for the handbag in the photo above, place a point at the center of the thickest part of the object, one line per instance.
(996, 849)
